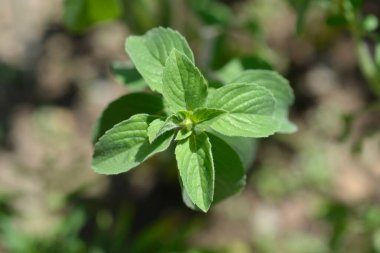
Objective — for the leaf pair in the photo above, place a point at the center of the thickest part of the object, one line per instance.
(203, 123)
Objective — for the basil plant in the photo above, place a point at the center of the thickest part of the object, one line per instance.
(211, 129)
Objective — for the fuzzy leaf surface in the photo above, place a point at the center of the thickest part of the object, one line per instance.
(183, 134)
(249, 111)
(126, 145)
(125, 107)
(281, 90)
(159, 127)
(205, 114)
(150, 52)
(184, 87)
(196, 169)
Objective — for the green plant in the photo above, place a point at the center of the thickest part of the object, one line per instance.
(348, 14)
(207, 125)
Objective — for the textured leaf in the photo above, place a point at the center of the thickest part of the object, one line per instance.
(150, 52)
(249, 111)
(126, 145)
(125, 107)
(200, 115)
(184, 86)
(205, 114)
(280, 89)
(196, 168)
(229, 170)
(183, 134)
(159, 127)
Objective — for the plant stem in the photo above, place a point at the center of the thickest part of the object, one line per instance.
(366, 62)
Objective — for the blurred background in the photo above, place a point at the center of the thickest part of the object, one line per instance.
(315, 191)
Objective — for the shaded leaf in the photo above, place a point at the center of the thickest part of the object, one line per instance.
(159, 127)
(183, 134)
(126, 145)
(79, 15)
(125, 107)
(281, 90)
(128, 75)
(229, 170)
(196, 168)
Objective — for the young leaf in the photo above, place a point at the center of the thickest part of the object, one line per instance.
(150, 52)
(126, 145)
(196, 168)
(205, 114)
(125, 107)
(249, 111)
(183, 134)
(184, 86)
(200, 115)
(229, 170)
(281, 90)
(158, 127)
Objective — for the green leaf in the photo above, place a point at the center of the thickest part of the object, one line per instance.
(357, 4)
(128, 75)
(229, 170)
(281, 90)
(249, 111)
(186, 199)
(301, 7)
(196, 169)
(79, 15)
(158, 127)
(199, 115)
(336, 20)
(124, 107)
(126, 145)
(205, 114)
(244, 147)
(221, 14)
(183, 134)
(150, 52)
(236, 66)
(184, 86)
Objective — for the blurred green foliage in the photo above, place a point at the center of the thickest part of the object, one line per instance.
(109, 234)
(79, 15)
(349, 228)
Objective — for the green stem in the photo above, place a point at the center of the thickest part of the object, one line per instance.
(368, 67)
(366, 62)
